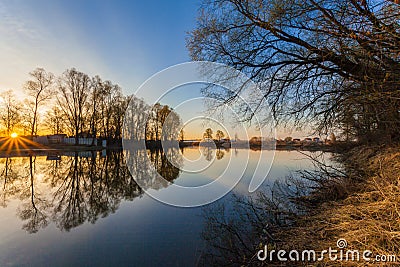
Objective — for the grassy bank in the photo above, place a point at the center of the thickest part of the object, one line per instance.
(311, 210)
(363, 208)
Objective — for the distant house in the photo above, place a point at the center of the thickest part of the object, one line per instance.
(307, 140)
(56, 138)
(316, 139)
(40, 139)
(296, 140)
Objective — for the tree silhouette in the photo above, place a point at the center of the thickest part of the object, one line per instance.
(208, 134)
(219, 135)
(55, 120)
(330, 63)
(10, 111)
(74, 88)
(39, 91)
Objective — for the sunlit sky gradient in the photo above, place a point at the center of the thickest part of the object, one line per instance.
(122, 41)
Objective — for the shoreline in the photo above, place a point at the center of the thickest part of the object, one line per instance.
(356, 201)
(360, 208)
(59, 149)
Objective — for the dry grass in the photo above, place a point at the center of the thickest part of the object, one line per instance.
(368, 218)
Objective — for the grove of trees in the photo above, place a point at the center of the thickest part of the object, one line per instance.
(77, 105)
(208, 134)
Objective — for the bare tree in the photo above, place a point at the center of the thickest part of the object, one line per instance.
(94, 103)
(208, 134)
(118, 112)
(162, 123)
(55, 120)
(38, 90)
(219, 135)
(112, 106)
(153, 127)
(181, 135)
(135, 117)
(74, 88)
(316, 61)
(10, 111)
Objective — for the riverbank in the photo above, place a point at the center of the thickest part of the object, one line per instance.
(361, 207)
(25, 147)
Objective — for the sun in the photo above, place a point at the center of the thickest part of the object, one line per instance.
(14, 135)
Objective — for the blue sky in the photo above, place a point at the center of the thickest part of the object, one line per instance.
(123, 41)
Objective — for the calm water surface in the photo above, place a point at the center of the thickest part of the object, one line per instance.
(80, 209)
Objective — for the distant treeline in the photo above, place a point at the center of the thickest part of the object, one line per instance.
(78, 105)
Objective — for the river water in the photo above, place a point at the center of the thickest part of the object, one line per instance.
(86, 208)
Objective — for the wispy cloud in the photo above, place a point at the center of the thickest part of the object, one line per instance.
(28, 41)
(13, 27)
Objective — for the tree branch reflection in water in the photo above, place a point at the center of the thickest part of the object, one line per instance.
(235, 230)
(81, 187)
(208, 152)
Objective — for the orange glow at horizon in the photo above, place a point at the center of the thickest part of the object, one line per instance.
(9, 144)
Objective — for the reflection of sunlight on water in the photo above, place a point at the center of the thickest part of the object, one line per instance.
(40, 177)
(16, 144)
(284, 163)
(96, 186)
(101, 188)
(192, 154)
(193, 160)
(203, 170)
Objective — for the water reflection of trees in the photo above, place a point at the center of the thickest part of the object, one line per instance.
(78, 188)
(145, 164)
(34, 205)
(208, 153)
(219, 154)
(10, 181)
(235, 231)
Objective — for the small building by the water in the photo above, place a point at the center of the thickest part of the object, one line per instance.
(56, 138)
